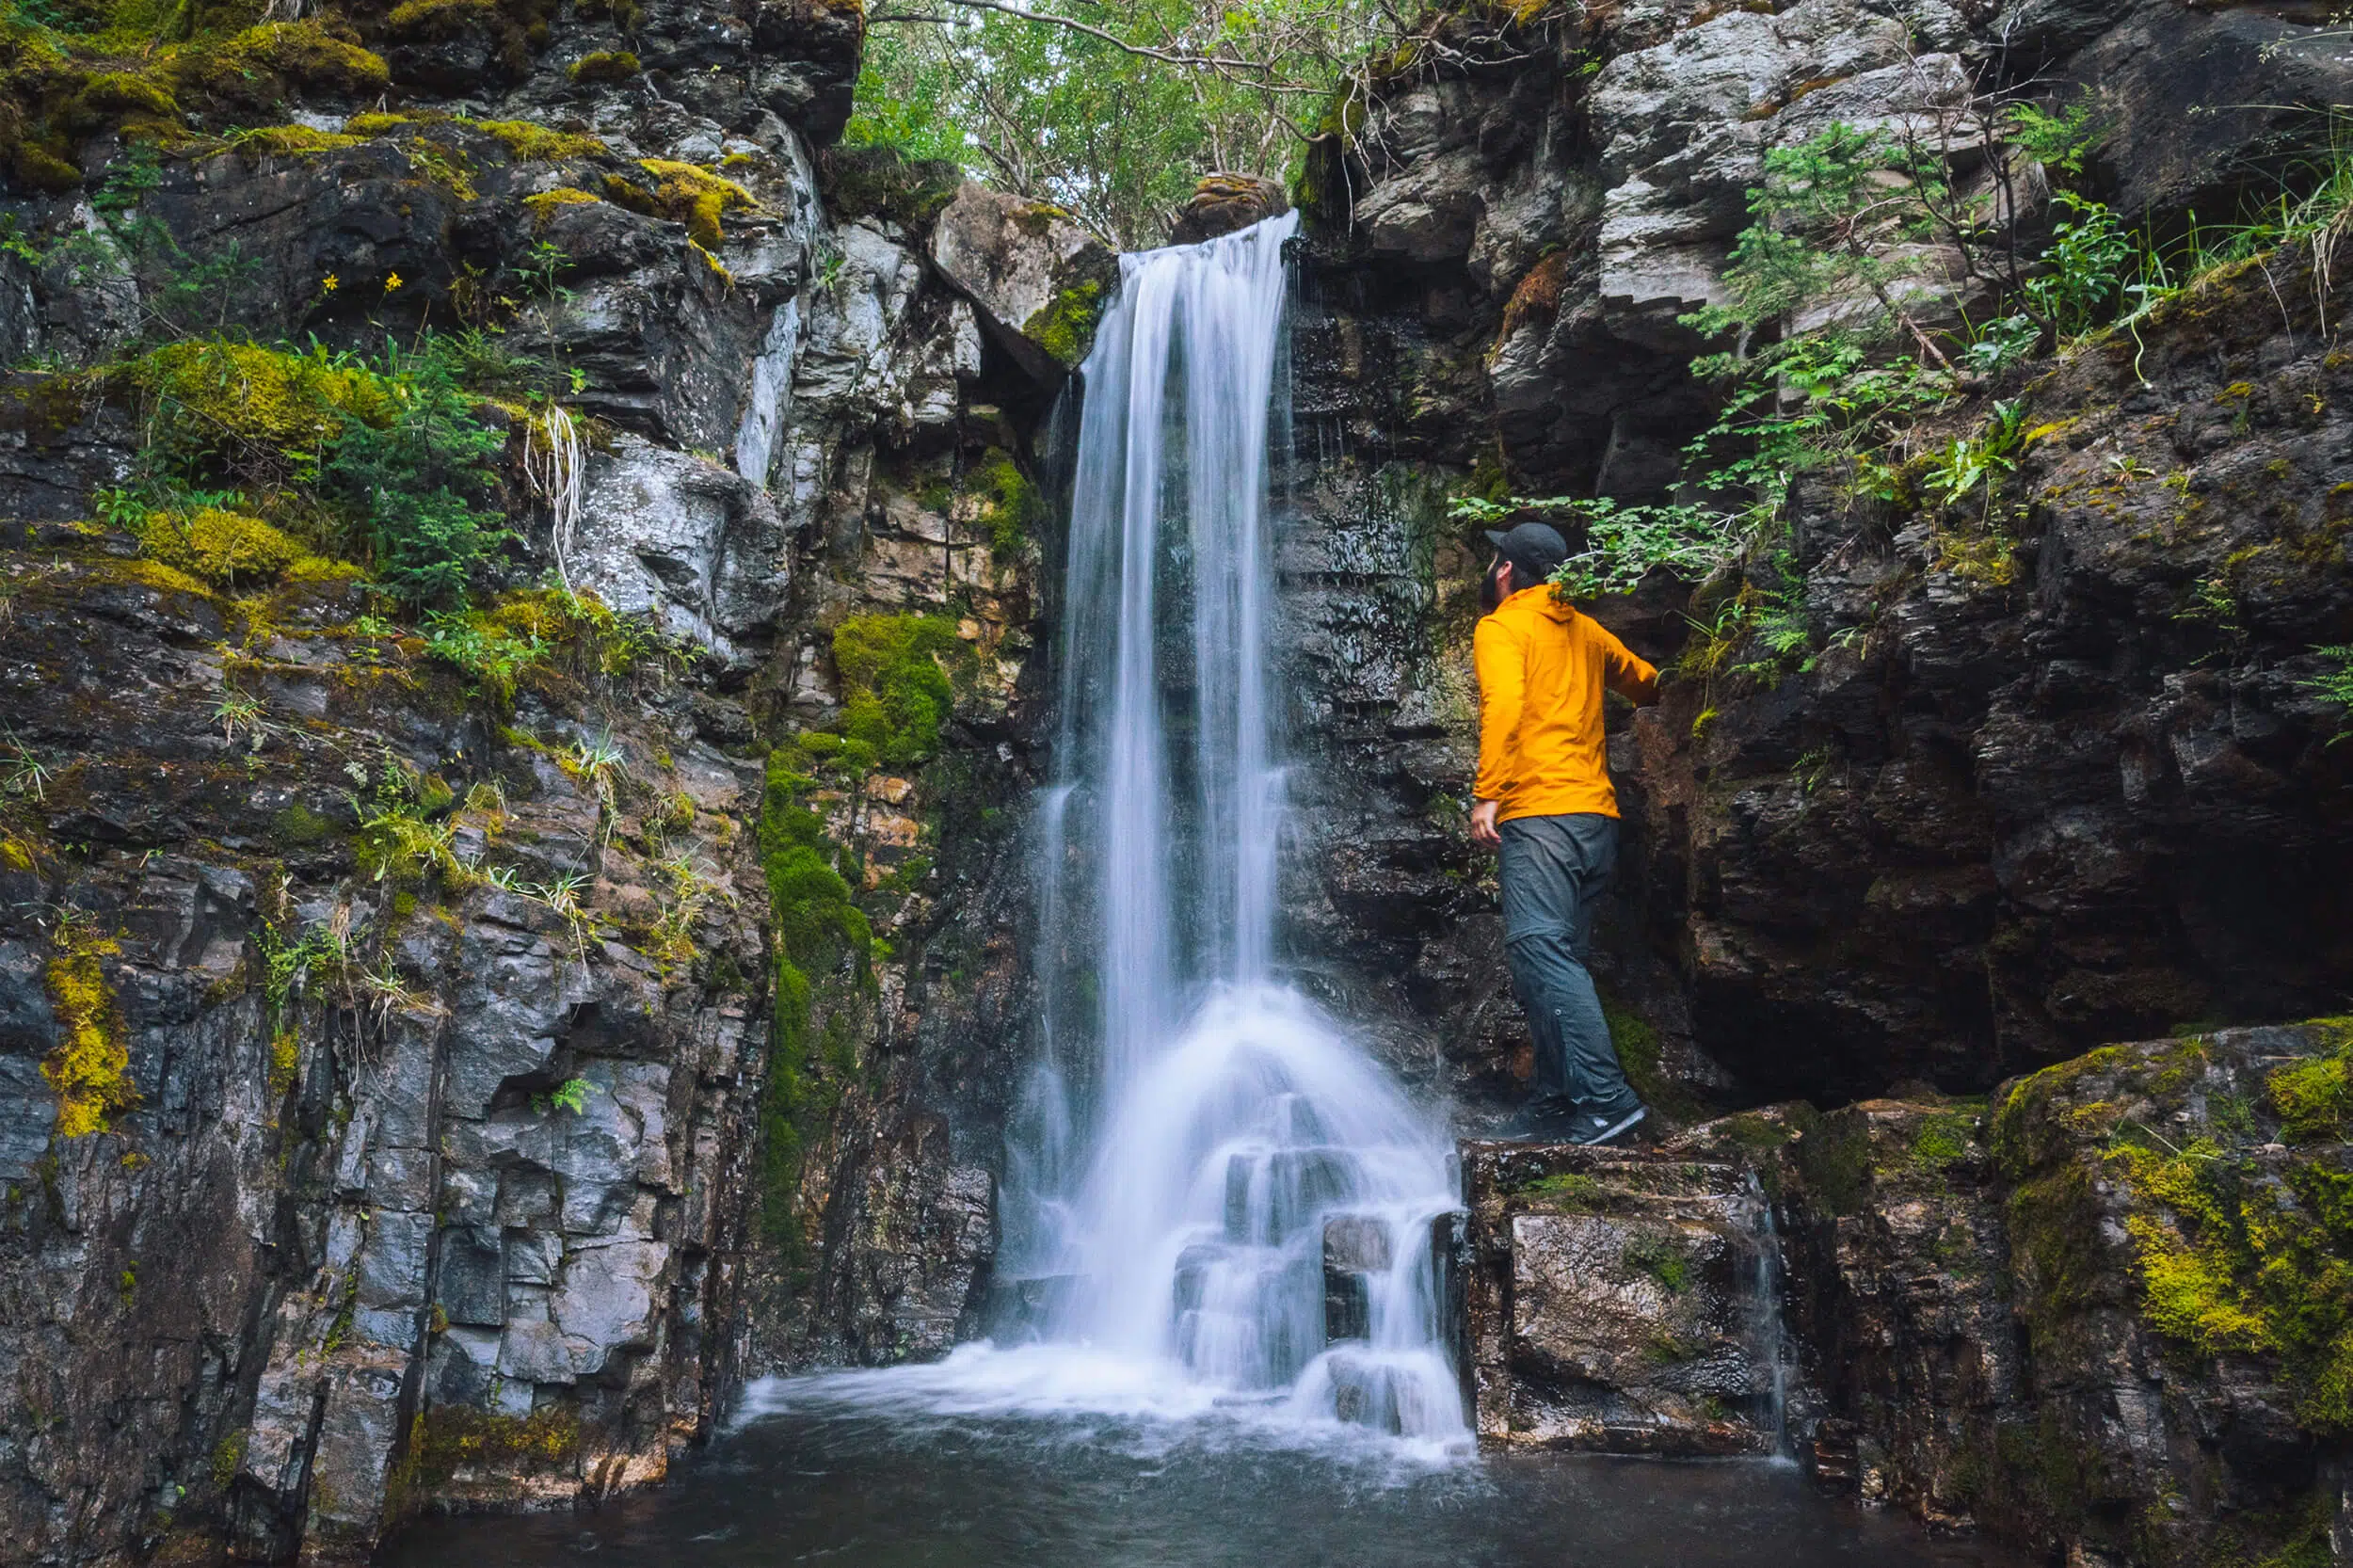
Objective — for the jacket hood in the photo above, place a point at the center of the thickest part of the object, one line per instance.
(1541, 601)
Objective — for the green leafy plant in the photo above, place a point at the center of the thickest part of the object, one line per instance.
(1968, 463)
(420, 479)
(2334, 685)
(492, 659)
(569, 1095)
(2061, 139)
(1622, 543)
(2085, 270)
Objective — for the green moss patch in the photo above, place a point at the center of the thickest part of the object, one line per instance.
(220, 547)
(895, 693)
(1065, 325)
(1009, 506)
(617, 65)
(447, 1439)
(817, 927)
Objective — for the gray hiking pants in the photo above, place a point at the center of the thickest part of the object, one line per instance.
(1554, 872)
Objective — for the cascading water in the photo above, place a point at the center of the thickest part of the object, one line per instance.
(1195, 1124)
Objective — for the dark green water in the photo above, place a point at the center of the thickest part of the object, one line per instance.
(852, 1484)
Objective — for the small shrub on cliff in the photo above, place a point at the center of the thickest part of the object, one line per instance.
(492, 658)
(868, 180)
(1623, 544)
(2335, 685)
(419, 480)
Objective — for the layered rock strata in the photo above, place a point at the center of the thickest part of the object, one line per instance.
(390, 1105)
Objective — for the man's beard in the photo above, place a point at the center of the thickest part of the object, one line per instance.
(1491, 591)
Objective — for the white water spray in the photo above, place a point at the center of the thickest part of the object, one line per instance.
(1198, 1124)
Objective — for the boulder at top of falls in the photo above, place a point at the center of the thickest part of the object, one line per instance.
(1224, 202)
(1039, 281)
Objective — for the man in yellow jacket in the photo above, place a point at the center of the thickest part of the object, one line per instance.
(1545, 800)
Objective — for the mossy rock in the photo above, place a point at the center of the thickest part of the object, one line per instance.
(1065, 326)
(881, 182)
(118, 92)
(90, 1066)
(437, 21)
(221, 548)
(617, 64)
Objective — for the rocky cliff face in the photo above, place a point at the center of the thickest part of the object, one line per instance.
(2098, 1315)
(2040, 781)
(2044, 781)
(426, 1082)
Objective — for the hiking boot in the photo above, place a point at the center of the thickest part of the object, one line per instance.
(1594, 1131)
(1550, 1120)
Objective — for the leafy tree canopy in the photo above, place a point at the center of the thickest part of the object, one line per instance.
(1114, 108)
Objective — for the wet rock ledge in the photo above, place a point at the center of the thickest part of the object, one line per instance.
(2105, 1313)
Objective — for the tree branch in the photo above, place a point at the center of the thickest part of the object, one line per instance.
(1166, 56)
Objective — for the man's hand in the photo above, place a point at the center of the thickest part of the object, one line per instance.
(1484, 823)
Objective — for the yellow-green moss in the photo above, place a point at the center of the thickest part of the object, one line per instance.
(375, 124)
(239, 392)
(300, 827)
(1945, 1138)
(285, 1060)
(429, 20)
(894, 692)
(2314, 1098)
(127, 92)
(1567, 1190)
(293, 140)
(318, 569)
(229, 1456)
(538, 142)
(696, 196)
(1009, 505)
(220, 547)
(449, 1438)
(42, 169)
(617, 65)
(89, 1069)
(544, 206)
(1065, 325)
(154, 574)
(816, 925)
(265, 64)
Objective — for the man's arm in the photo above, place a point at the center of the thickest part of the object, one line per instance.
(1502, 665)
(1625, 671)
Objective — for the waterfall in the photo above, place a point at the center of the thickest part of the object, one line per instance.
(1201, 1156)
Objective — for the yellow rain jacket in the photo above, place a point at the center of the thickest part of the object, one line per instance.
(1542, 667)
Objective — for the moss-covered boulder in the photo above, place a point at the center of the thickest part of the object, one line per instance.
(1039, 281)
(2107, 1312)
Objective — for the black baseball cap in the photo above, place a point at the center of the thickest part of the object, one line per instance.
(1535, 549)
